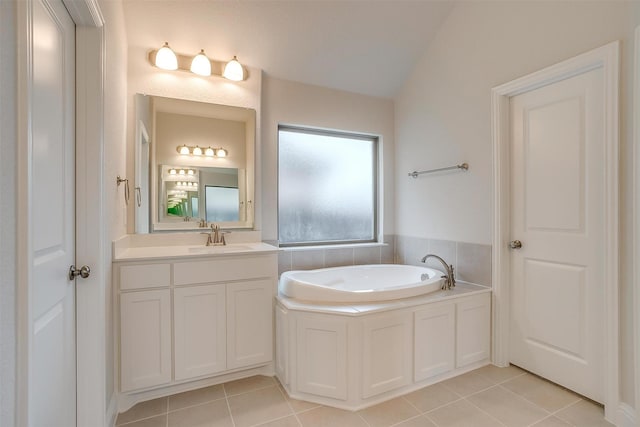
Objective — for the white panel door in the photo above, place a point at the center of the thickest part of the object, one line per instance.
(145, 339)
(51, 213)
(387, 350)
(199, 319)
(435, 331)
(250, 323)
(557, 213)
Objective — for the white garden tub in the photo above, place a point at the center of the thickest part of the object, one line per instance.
(360, 283)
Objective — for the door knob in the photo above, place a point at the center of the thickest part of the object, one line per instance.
(515, 244)
(83, 272)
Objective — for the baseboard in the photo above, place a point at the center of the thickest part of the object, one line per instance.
(626, 416)
(112, 411)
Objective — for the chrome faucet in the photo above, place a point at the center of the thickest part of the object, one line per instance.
(449, 278)
(217, 236)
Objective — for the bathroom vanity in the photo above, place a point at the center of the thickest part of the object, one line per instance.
(192, 316)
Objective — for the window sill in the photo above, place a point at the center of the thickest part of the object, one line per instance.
(337, 246)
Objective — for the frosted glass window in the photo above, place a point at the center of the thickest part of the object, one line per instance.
(221, 203)
(326, 187)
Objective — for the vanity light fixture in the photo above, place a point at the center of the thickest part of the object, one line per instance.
(186, 150)
(201, 64)
(166, 58)
(181, 172)
(190, 172)
(233, 70)
(172, 171)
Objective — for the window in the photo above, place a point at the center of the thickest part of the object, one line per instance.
(221, 203)
(327, 187)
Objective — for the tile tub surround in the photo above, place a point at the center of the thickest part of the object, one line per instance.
(472, 262)
(489, 396)
(336, 256)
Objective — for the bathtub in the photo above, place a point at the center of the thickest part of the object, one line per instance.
(360, 283)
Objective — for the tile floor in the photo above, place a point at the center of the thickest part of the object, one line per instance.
(486, 397)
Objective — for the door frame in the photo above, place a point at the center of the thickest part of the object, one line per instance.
(91, 406)
(606, 58)
(636, 219)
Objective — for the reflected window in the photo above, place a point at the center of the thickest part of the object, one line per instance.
(327, 187)
(221, 203)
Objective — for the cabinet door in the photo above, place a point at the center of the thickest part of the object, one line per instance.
(321, 346)
(387, 345)
(145, 339)
(199, 331)
(250, 323)
(434, 341)
(473, 330)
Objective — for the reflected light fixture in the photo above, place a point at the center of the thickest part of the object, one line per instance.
(233, 70)
(190, 172)
(166, 58)
(201, 64)
(172, 171)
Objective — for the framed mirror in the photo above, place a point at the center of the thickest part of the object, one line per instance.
(200, 166)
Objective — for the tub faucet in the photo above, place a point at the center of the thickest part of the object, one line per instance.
(449, 278)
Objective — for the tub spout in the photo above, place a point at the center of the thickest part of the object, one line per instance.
(449, 278)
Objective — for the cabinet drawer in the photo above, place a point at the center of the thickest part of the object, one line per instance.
(222, 270)
(145, 276)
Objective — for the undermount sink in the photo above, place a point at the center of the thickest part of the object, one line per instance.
(219, 249)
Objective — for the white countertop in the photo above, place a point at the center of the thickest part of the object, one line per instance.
(148, 253)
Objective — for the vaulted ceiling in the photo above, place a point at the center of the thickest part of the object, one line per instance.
(362, 46)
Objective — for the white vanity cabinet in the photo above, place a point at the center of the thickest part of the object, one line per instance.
(186, 320)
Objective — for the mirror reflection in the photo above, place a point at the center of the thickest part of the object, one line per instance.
(200, 164)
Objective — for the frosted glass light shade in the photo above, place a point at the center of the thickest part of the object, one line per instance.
(221, 152)
(209, 152)
(184, 150)
(201, 64)
(166, 58)
(233, 70)
(197, 151)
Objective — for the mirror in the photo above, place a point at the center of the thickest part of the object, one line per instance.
(199, 166)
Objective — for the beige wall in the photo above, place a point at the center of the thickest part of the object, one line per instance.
(293, 103)
(443, 117)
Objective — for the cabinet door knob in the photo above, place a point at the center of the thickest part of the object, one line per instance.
(515, 244)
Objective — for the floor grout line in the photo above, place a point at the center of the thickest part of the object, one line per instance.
(233, 422)
(286, 399)
(485, 412)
